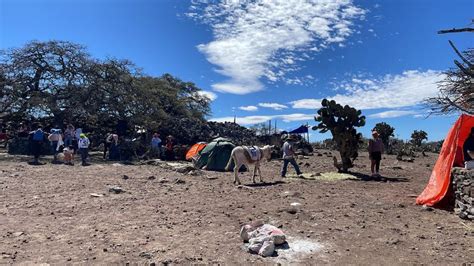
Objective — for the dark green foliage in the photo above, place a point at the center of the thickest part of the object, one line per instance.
(341, 122)
(385, 132)
(58, 82)
(418, 136)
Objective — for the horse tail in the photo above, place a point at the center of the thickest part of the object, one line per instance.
(229, 163)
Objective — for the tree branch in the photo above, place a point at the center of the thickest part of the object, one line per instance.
(463, 69)
(456, 30)
(458, 107)
(460, 55)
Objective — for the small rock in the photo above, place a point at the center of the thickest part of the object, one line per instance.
(145, 255)
(427, 208)
(125, 177)
(163, 180)
(95, 195)
(151, 177)
(17, 234)
(116, 189)
(195, 172)
(179, 181)
(184, 169)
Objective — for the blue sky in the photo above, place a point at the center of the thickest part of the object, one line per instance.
(273, 59)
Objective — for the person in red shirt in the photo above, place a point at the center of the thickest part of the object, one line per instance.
(169, 148)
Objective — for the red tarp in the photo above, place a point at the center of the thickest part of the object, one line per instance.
(195, 149)
(451, 154)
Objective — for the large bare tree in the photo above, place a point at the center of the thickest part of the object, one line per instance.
(457, 89)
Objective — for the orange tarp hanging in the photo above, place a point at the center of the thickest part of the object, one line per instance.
(451, 154)
(194, 150)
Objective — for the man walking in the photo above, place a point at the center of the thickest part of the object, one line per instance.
(288, 156)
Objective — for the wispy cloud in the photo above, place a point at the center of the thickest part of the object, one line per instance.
(391, 91)
(274, 106)
(307, 104)
(249, 108)
(256, 39)
(255, 119)
(209, 94)
(393, 114)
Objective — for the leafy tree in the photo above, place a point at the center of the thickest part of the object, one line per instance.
(37, 80)
(341, 122)
(385, 131)
(418, 136)
(58, 82)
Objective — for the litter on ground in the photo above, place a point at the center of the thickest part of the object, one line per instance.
(326, 176)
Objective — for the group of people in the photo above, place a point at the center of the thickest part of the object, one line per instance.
(375, 149)
(70, 142)
(161, 151)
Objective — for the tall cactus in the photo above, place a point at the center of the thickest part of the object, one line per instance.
(341, 122)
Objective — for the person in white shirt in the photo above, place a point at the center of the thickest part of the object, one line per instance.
(83, 144)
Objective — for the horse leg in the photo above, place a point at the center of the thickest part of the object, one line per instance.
(254, 173)
(236, 174)
(260, 174)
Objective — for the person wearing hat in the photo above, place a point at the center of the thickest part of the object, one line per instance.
(375, 153)
(56, 140)
(83, 144)
(288, 156)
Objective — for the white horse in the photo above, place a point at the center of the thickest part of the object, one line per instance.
(241, 156)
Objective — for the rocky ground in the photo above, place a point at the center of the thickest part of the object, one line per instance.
(68, 214)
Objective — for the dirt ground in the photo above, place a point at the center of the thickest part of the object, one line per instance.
(47, 215)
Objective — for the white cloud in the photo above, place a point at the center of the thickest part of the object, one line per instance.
(255, 39)
(419, 116)
(249, 108)
(391, 91)
(392, 114)
(255, 119)
(296, 117)
(307, 104)
(209, 94)
(274, 106)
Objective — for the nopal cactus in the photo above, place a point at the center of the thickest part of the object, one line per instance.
(341, 122)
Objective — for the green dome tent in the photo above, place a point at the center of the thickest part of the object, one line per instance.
(215, 155)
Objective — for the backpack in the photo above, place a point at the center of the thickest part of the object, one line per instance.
(38, 135)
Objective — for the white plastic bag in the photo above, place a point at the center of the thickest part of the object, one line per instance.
(267, 249)
(244, 232)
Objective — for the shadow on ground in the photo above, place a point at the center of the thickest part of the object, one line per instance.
(365, 177)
